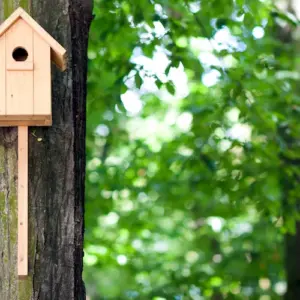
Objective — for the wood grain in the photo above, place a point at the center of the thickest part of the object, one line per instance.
(19, 84)
(20, 66)
(42, 77)
(23, 201)
(2, 77)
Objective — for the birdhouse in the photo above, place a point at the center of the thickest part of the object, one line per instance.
(26, 52)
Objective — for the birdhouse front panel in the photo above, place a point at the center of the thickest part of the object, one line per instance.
(25, 77)
(19, 80)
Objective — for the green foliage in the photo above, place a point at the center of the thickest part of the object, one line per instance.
(193, 149)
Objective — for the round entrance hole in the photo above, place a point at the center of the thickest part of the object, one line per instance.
(20, 54)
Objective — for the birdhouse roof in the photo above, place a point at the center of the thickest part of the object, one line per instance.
(58, 53)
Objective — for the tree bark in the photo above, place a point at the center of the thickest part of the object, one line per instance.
(56, 168)
(287, 35)
(292, 264)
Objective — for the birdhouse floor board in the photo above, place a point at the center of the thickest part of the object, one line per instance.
(25, 123)
(24, 117)
(36, 120)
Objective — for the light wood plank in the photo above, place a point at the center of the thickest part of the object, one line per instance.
(23, 201)
(19, 84)
(19, 34)
(2, 77)
(20, 66)
(42, 77)
(19, 94)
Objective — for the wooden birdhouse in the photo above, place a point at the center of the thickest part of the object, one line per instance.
(26, 52)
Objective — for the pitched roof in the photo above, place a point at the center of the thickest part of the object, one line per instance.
(58, 53)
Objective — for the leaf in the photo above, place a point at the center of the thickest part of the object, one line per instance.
(138, 80)
(170, 88)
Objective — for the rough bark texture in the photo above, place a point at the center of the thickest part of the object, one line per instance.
(56, 169)
(292, 264)
(292, 241)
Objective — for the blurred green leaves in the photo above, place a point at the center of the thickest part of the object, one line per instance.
(192, 142)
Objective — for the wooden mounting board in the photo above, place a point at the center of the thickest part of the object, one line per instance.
(23, 201)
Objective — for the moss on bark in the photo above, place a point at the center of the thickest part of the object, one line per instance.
(10, 5)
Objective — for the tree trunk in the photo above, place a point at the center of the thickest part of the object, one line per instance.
(56, 168)
(292, 265)
(290, 182)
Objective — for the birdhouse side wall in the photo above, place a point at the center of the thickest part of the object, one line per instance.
(2, 77)
(42, 77)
